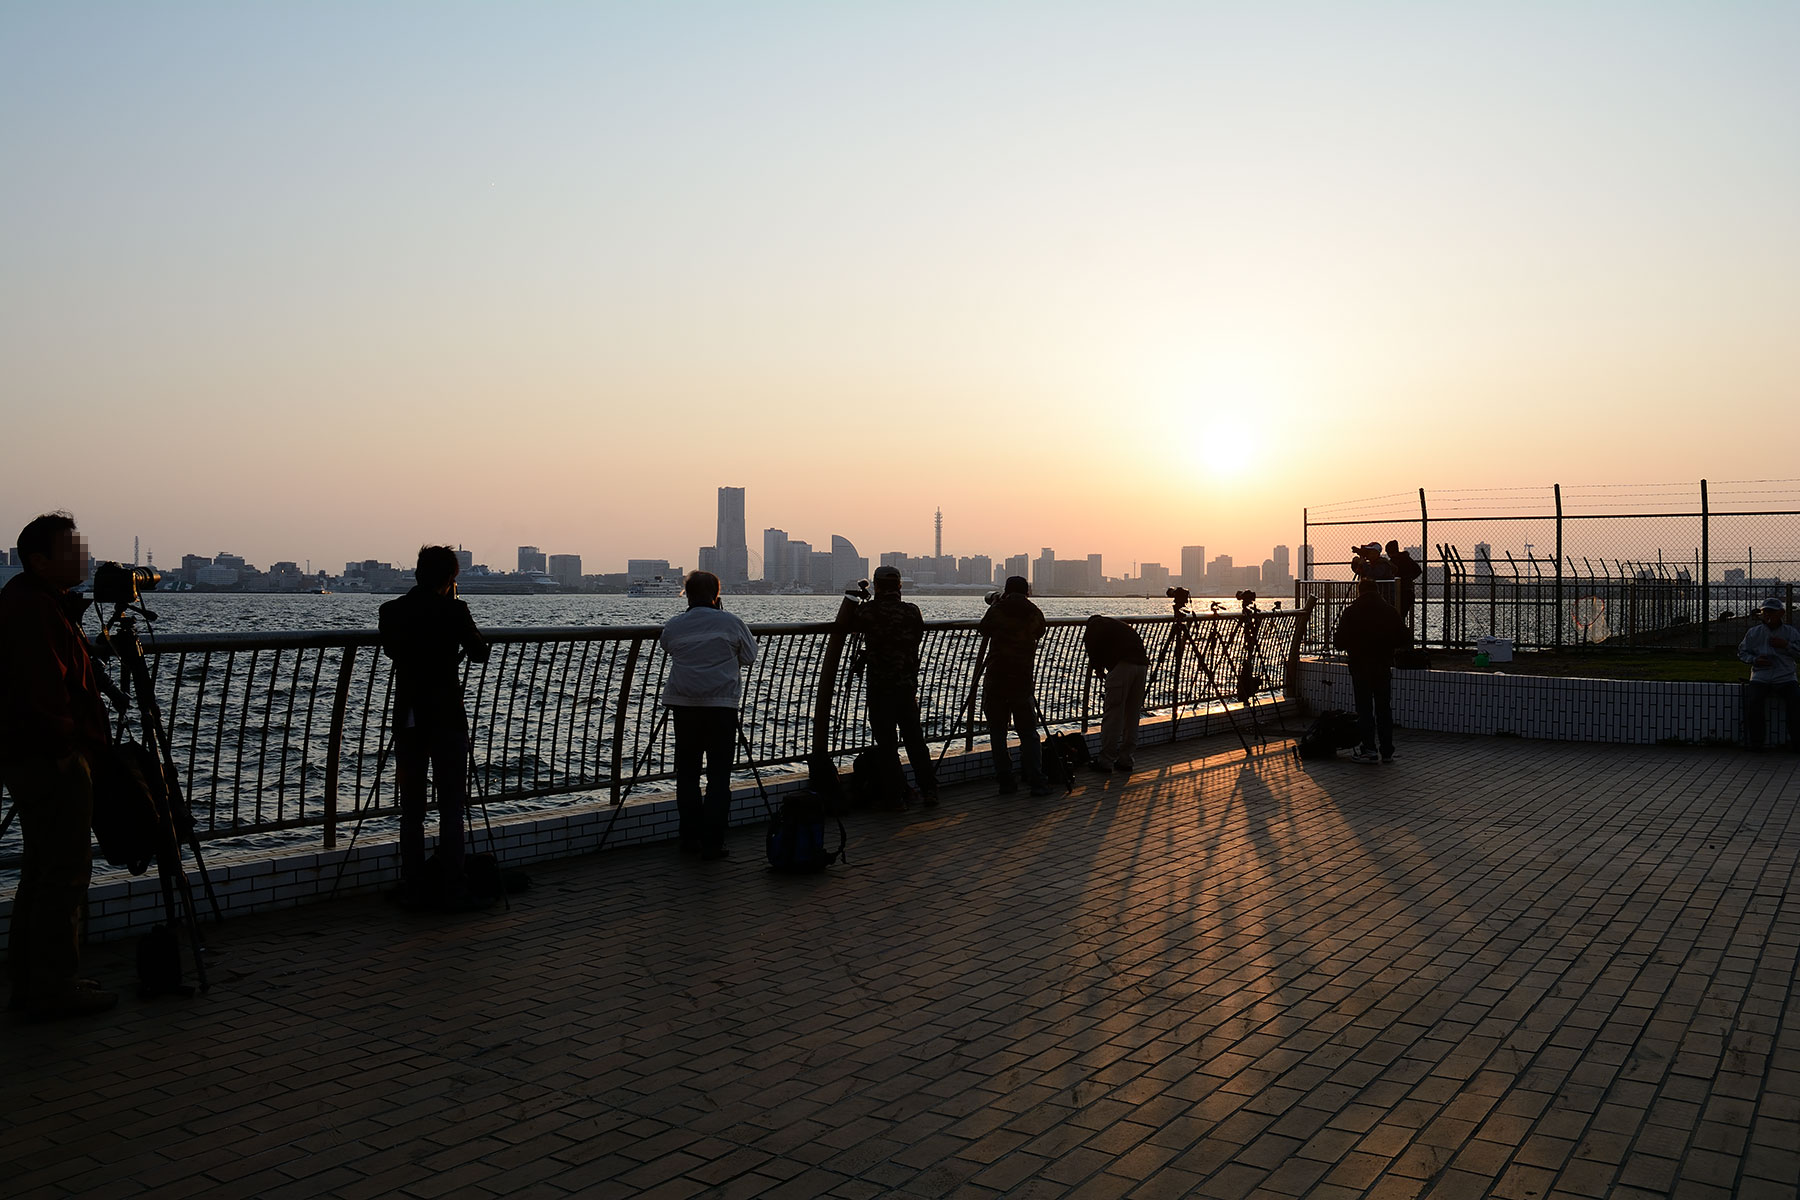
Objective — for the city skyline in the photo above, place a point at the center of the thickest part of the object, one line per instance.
(327, 282)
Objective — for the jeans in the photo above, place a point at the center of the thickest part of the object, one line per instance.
(1756, 703)
(55, 799)
(1374, 711)
(894, 707)
(446, 751)
(1012, 703)
(709, 734)
(1124, 701)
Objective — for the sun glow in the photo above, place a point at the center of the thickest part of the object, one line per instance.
(1224, 444)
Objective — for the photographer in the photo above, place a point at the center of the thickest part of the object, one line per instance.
(1116, 652)
(1013, 626)
(892, 630)
(426, 632)
(1406, 575)
(52, 723)
(708, 649)
(1368, 632)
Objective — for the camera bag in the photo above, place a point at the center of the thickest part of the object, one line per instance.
(128, 789)
(795, 843)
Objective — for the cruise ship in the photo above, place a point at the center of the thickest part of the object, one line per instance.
(656, 585)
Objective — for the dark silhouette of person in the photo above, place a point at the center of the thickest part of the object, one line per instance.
(1406, 575)
(892, 631)
(1770, 647)
(427, 632)
(1013, 626)
(1368, 632)
(1117, 653)
(52, 725)
(708, 649)
(1366, 562)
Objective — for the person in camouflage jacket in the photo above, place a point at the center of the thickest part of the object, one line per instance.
(892, 630)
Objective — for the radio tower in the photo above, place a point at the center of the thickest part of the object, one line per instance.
(939, 522)
(134, 550)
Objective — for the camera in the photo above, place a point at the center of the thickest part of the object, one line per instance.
(120, 585)
(859, 592)
(1179, 595)
(1246, 598)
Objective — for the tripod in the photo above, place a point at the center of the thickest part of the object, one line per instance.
(172, 816)
(1183, 638)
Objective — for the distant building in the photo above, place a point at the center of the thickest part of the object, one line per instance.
(776, 569)
(565, 569)
(464, 559)
(709, 560)
(847, 566)
(977, 568)
(649, 568)
(532, 561)
(1016, 565)
(1154, 577)
(733, 550)
(1043, 570)
(1193, 567)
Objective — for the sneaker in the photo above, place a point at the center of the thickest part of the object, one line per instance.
(1388, 757)
(1365, 756)
(1125, 766)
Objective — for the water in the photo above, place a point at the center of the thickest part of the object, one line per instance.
(225, 612)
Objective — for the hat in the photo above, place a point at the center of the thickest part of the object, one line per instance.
(887, 575)
(1017, 585)
(1370, 547)
(1773, 603)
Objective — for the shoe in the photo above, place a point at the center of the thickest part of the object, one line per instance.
(1388, 757)
(1040, 789)
(930, 799)
(74, 1002)
(1365, 756)
(717, 854)
(1100, 765)
(1125, 766)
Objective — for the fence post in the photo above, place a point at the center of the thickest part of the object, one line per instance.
(1705, 613)
(1424, 585)
(1290, 673)
(619, 713)
(334, 744)
(828, 672)
(1561, 617)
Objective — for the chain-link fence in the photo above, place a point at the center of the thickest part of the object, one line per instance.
(1615, 565)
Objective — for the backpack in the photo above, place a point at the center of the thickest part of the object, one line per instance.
(873, 781)
(796, 839)
(1063, 754)
(1333, 730)
(128, 789)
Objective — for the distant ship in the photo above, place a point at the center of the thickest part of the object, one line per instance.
(656, 585)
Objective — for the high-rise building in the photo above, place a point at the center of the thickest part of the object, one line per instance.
(799, 557)
(1016, 564)
(1282, 565)
(847, 566)
(938, 525)
(1154, 577)
(649, 568)
(1193, 566)
(464, 559)
(1096, 578)
(776, 570)
(734, 550)
(1043, 570)
(565, 569)
(532, 561)
(977, 568)
(709, 559)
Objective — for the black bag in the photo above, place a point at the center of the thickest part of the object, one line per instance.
(796, 839)
(128, 794)
(159, 965)
(1333, 730)
(877, 783)
(1063, 755)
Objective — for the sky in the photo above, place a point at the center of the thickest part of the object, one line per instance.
(325, 281)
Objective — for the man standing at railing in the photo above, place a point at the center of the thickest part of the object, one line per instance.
(1368, 632)
(1770, 647)
(708, 649)
(892, 631)
(426, 632)
(1013, 626)
(52, 723)
(1116, 652)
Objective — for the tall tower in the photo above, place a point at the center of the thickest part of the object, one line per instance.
(939, 522)
(733, 549)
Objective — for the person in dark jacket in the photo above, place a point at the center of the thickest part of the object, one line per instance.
(1368, 632)
(1116, 652)
(1013, 625)
(52, 725)
(427, 633)
(892, 631)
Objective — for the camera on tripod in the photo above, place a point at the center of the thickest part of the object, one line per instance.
(1180, 596)
(121, 586)
(859, 593)
(1247, 599)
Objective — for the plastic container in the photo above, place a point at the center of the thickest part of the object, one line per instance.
(1494, 650)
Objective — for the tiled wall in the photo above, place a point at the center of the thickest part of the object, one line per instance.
(119, 905)
(1533, 706)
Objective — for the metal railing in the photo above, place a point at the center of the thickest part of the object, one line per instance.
(1647, 565)
(277, 732)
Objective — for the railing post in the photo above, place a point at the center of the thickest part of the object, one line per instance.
(620, 713)
(1557, 488)
(1290, 674)
(1423, 605)
(1705, 613)
(826, 696)
(334, 743)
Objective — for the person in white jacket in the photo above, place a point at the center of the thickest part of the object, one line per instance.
(707, 648)
(1770, 648)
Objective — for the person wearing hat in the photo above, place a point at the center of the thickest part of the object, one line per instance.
(1770, 647)
(1368, 632)
(1013, 626)
(892, 630)
(1366, 562)
(1406, 570)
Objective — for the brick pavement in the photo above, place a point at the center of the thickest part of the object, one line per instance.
(1518, 969)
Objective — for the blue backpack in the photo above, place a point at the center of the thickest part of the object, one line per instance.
(796, 837)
